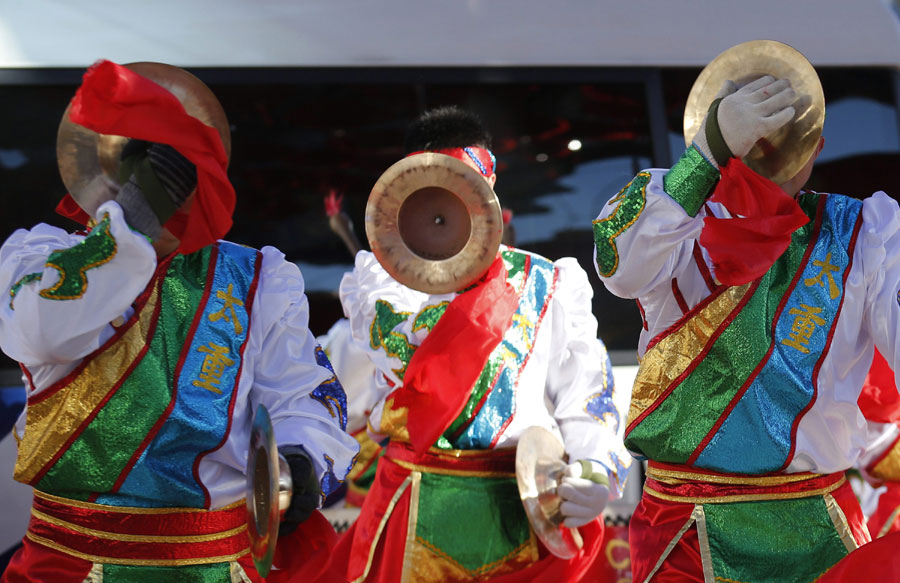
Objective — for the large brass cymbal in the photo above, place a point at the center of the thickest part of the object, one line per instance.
(540, 464)
(434, 223)
(88, 160)
(781, 155)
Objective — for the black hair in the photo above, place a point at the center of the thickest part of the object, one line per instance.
(446, 127)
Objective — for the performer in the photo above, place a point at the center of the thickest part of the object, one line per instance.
(451, 512)
(761, 308)
(146, 346)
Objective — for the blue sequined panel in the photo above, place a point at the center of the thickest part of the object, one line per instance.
(756, 436)
(535, 283)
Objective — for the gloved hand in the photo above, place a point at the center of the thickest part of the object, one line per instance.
(585, 492)
(738, 118)
(156, 180)
(307, 491)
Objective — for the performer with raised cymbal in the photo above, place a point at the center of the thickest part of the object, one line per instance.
(147, 344)
(762, 306)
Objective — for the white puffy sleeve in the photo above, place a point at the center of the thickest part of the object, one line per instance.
(61, 291)
(291, 375)
(355, 371)
(879, 251)
(644, 236)
(589, 408)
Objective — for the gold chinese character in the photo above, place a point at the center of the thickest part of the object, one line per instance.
(228, 312)
(805, 323)
(827, 270)
(214, 364)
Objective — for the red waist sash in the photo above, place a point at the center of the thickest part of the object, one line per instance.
(677, 483)
(139, 536)
(474, 462)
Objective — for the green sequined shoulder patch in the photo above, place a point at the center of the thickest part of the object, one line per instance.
(98, 248)
(629, 203)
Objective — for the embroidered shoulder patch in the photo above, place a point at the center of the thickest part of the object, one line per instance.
(382, 335)
(97, 248)
(629, 203)
(18, 285)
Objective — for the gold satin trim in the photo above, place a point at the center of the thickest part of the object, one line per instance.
(195, 538)
(368, 450)
(841, 524)
(680, 477)
(95, 575)
(381, 525)
(670, 546)
(890, 521)
(699, 515)
(745, 497)
(673, 355)
(135, 562)
(411, 525)
(393, 421)
(889, 466)
(129, 509)
(432, 565)
(451, 472)
(51, 422)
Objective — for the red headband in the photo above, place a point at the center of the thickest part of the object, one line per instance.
(482, 158)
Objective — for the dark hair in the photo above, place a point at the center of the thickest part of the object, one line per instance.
(445, 127)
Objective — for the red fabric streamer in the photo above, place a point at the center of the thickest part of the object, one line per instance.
(115, 100)
(744, 247)
(879, 400)
(444, 368)
(874, 561)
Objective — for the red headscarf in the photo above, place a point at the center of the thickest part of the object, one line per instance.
(115, 100)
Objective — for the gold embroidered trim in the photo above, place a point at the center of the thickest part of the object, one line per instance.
(143, 538)
(130, 509)
(745, 497)
(679, 477)
(411, 526)
(669, 547)
(52, 421)
(381, 525)
(674, 354)
(135, 562)
(450, 471)
(841, 525)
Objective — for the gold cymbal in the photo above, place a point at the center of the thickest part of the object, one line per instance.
(87, 159)
(780, 156)
(540, 464)
(434, 223)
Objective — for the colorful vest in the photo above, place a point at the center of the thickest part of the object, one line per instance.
(130, 424)
(725, 388)
(491, 405)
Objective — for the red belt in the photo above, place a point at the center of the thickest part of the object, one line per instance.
(691, 485)
(139, 536)
(474, 462)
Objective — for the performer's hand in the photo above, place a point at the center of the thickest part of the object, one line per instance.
(585, 492)
(307, 491)
(738, 118)
(157, 180)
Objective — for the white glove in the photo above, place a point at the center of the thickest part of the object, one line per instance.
(743, 116)
(585, 492)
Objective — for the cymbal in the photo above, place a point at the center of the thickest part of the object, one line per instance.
(780, 156)
(540, 462)
(433, 223)
(88, 160)
(269, 490)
